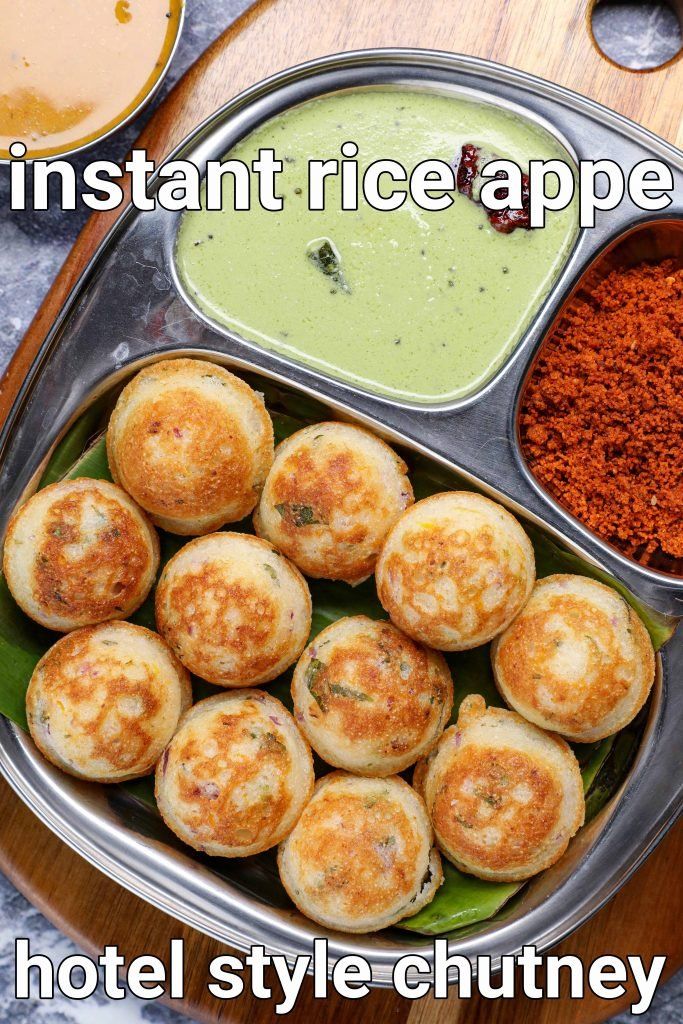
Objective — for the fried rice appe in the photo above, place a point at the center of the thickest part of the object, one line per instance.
(104, 701)
(234, 610)
(368, 698)
(80, 552)
(192, 443)
(504, 797)
(577, 660)
(455, 570)
(332, 494)
(236, 775)
(361, 856)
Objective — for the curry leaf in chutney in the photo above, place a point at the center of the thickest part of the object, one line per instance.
(323, 254)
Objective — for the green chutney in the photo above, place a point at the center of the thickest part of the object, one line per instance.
(420, 306)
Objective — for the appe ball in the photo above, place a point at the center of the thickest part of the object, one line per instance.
(504, 797)
(236, 775)
(233, 609)
(577, 660)
(361, 857)
(330, 498)
(191, 443)
(104, 701)
(80, 552)
(368, 698)
(455, 570)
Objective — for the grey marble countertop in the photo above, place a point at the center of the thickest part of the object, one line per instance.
(32, 248)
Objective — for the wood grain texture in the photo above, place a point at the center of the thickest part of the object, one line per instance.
(551, 39)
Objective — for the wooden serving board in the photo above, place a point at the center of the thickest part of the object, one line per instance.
(550, 38)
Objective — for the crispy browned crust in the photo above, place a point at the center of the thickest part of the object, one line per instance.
(184, 451)
(245, 641)
(109, 580)
(435, 577)
(127, 741)
(193, 613)
(217, 758)
(358, 857)
(615, 650)
(364, 683)
(351, 493)
(499, 803)
(522, 827)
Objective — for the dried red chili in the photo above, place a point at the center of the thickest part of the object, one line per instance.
(469, 182)
(602, 416)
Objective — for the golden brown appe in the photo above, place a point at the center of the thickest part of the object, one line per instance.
(455, 570)
(236, 775)
(577, 660)
(104, 701)
(361, 856)
(368, 698)
(233, 609)
(504, 797)
(332, 494)
(80, 552)
(192, 443)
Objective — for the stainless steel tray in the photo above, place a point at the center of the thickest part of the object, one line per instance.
(127, 309)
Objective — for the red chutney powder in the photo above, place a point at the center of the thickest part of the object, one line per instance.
(602, 416)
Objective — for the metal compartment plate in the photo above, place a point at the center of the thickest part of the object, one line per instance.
(126, 310)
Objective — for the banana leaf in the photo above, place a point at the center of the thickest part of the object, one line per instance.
(614, 766)
(462, 900)
(22, 644)
(79, 452)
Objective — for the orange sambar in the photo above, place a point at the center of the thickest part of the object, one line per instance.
(71, 70)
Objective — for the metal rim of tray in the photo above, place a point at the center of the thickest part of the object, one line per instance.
(607, 851)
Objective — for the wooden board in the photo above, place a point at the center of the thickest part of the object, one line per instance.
(550, 38)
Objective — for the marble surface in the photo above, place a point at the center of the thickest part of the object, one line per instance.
(32, 248)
